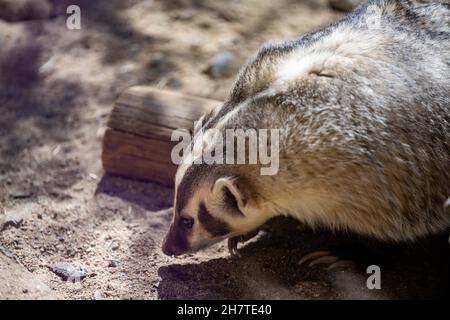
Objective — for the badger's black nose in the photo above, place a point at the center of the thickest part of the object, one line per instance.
(172, 250)
(167, 249)
(170, 247)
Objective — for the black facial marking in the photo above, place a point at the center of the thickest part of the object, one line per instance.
(230, 202)
(178, 238)
(187, 185)
(214, 226)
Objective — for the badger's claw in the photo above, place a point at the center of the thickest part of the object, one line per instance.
(313, 255)
(234, 241)
(233, 246)
(325, 257)
(346, 264)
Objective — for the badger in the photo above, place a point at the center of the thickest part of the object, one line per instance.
(362, 108)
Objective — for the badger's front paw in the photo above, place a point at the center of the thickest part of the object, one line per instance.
(232, 246)
(234, 241)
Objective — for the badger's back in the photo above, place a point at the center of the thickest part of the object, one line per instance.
(365, 117)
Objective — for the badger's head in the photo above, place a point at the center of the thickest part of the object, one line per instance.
(210, 206)
(214, 201)
(220, 201)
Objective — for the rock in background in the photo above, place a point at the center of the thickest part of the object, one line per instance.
(222, 65)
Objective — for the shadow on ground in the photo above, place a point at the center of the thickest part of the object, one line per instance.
(268, 269)
(37, 114)
(149, 196)
(106, 17)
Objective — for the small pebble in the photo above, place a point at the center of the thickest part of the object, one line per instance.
(112, 264)
(68, 272)
(98, 295)
(115, 245)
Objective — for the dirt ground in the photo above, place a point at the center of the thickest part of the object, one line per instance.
(57, 87)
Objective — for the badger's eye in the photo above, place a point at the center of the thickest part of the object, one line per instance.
(187, 222)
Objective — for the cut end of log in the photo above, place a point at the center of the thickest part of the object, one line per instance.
(137, 143)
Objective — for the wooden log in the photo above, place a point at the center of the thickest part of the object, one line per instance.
(137, 141)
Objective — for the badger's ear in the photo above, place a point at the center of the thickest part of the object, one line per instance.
(229, 191)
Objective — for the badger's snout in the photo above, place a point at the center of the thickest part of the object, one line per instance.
(174, 244)
(168, 248)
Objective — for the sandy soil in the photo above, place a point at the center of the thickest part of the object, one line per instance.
(56, 89)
